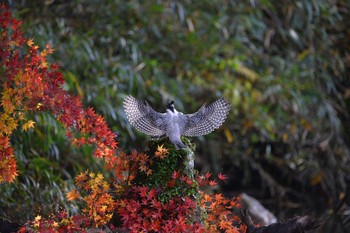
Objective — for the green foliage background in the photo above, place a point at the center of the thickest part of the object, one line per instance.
(284, 65)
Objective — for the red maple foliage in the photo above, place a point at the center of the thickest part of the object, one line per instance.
(28, 84)
(145, 213)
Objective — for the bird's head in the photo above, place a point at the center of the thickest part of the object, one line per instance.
(171, 106)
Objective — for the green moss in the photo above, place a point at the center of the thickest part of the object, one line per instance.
(163, 169)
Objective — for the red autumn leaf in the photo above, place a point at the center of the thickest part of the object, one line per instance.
(207, 175)
(189, 182)
(37, 85)
(151, 194)
(156, 204)
(212, 183)
(143, 190)
(222, 177)
(171, 183)
(175, 175)
(189, 202)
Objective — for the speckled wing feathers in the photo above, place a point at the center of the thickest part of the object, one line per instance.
(206, 119)
(143, 117)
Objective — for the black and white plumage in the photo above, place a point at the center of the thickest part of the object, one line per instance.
(172, 123)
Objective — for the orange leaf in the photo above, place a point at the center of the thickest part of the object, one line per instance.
(72, 195)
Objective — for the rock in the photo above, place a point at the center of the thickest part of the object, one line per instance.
(259, 213)
(295, 225)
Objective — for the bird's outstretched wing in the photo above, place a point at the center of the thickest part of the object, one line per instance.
(143, 117)
(206, 119)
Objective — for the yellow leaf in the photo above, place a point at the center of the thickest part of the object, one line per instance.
(301, 56)
(6, 101)
(247, 73)
(228, 135)
(37, 221)
(30, 42)
(92, 175)
(43, 64)
(98, 179)
(39, 105)
(285, 137)
(248, 124)
(316, 179)
(7, 124)
(306, 124)
(28, 125)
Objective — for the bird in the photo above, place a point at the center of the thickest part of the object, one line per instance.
(174, 124)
